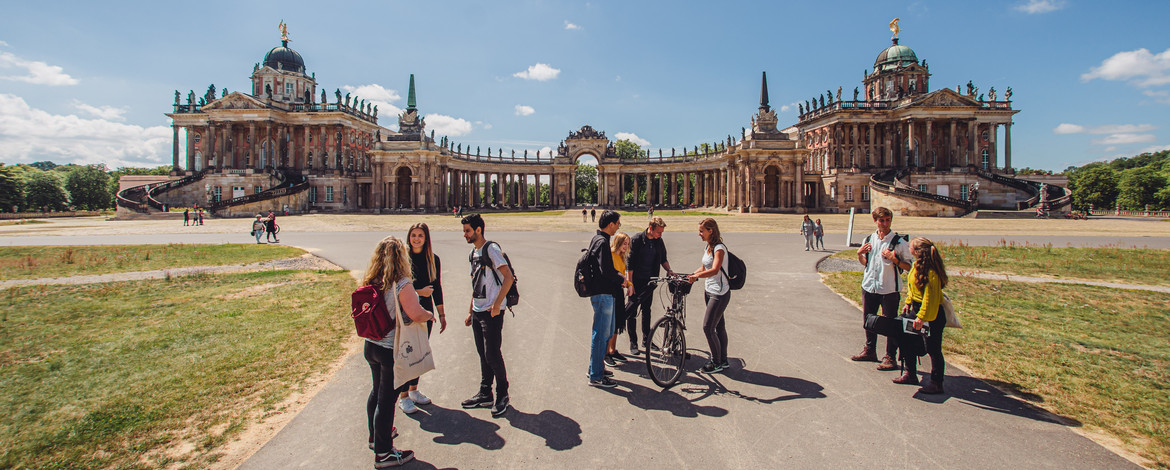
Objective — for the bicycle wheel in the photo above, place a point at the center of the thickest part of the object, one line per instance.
(276, 228)
(665, 365)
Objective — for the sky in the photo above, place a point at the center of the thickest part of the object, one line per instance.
(89, 82)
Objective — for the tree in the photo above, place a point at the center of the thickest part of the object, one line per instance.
(88, 187)
(42, 190)
(628, 150)
(43, 166)
(1138, 187)
(123, 171)
(586, 178)
(1096, 186)
(11, 193)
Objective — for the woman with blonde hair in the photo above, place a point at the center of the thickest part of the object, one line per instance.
(424, 263)
(389, 271)
(619, 247)
(716, 292)
(928, 277)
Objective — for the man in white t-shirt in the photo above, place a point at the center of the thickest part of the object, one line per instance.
(885, 256)
(489, 285)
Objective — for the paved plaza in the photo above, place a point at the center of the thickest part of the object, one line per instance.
(792, 398)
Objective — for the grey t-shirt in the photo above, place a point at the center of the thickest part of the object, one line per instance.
(486, 283)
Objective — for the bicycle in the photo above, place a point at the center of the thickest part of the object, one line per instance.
(666, 348)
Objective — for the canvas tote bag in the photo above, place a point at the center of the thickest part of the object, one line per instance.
(412, 348)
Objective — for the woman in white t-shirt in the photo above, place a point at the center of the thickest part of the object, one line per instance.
(716, 292)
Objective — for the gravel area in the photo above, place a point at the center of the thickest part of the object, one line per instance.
(303, 262)
(832, 265)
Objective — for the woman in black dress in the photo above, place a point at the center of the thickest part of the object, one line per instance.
(425, 266)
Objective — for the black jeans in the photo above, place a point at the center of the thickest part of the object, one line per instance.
(380, 405)
(933, 346)
(869, 306)
(488, 331)
(715, 326)
(644, 296)
(414, 383)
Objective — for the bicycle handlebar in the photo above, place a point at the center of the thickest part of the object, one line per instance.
(669, 277)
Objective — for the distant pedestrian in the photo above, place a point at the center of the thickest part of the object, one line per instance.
(928, 277)
(186, 217)
(820, 234)
(716, 293)
(270, 228)
(258, 228)
(389, 269)
(606, 289)
(491, 278)
(584, 215)
(650, 213)
(424, 263)
(200, 216)
(884, 256)
(808, 229)
(593, 214)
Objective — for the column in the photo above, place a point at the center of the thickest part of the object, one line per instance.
(1007, 147)
(175, 147)
(674, 189)
(190, 157)
(686, 188)
(635, 178)
(953, 148)
(910, 146)
(887, 157)
(994, 128)
(930, 150)
(799, 190)
(474, 199)
(971, 139)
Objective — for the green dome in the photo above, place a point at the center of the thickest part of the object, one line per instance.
(894, 57)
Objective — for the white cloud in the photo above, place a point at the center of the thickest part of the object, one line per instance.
(539, 72)
(1033, 7)
(1144, 68)
(28, 134)
(1119, 139)
(108, 113)
(1066, 128)
(788, 106)
(31, 71)
(1110, 149)
(522, 110)
(618, 79)
(546, 151)
(376, 95)
(1161, 96)
(1155, 148)
(632, 137)
(447, 125)
(571, 26)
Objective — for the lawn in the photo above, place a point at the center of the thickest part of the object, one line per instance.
(1098, 355)
(32, 262)
(159, 374)
(1110, 264)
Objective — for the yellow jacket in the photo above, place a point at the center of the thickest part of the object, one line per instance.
(620, 265)
(930, 297)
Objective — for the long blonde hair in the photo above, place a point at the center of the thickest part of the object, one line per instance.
(926, 259)
(616, 243)
(389, 264)
(426, 249)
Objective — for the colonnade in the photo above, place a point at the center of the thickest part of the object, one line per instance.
(910, 143)
(259, 145)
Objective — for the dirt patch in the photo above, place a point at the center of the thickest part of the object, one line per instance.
(255, 290)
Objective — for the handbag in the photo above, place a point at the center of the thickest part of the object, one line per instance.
(412, 348)
(952, 315)
(882, 325)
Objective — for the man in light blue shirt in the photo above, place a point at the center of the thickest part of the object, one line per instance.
(885, 256)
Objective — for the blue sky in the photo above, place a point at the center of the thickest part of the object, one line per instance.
(88, 82)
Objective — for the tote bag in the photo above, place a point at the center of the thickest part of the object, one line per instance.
(412, 348)
(952, 316)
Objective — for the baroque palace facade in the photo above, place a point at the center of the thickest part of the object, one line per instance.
(288, 146)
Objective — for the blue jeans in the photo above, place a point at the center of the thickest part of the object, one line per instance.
(602, 330)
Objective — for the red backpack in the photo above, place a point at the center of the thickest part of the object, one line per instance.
(371, 319)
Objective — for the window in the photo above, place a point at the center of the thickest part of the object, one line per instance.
(329, 194)
(985, 136)
(865, 193)
(257, 190)
(345, 195)
(288, 89)
(848, 193)
(217, 194)
(312, 194)
(964, 192)
(986, 159)
(833, 193)
(197, 137)
(922, 187)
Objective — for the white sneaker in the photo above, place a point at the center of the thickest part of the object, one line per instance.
(407, 405)
(418, 398)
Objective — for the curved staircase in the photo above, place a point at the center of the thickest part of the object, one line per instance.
(889, 182)
(290, 182)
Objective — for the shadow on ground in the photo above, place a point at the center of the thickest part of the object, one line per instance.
(460, 427)
(987, 395)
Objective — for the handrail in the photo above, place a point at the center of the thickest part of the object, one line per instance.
(889, 188)
(159, 188)
(291, 182)
(123, 198)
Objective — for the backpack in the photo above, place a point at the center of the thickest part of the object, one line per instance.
(371, 319)
(893, 243)
(485, 261)
(735, 270)
(585, 273)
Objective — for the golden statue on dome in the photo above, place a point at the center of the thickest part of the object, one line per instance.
(284, 31)
(894, 27)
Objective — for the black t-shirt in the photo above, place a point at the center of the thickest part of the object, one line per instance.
(418, 265)
(646, 256)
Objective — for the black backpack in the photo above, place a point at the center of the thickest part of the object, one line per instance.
(893, 244)
(735, 269)
(485, 262)
(585, 273)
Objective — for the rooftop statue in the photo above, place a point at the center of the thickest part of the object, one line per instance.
(283, 31)
(830, 93)
(176, 96)
(838, 94)
(894, 27)
(1007, 94)
(801, 108)
(856, 91)
(991, 93)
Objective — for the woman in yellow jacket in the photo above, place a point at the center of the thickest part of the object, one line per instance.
(619, 246)
(928, 277)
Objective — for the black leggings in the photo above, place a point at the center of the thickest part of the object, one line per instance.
(644, 297)
(933, 346)
(380, 405)
(715, 327)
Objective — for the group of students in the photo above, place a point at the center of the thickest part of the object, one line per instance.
(625, 266)
(814, 234)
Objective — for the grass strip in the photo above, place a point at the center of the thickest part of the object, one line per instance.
(154, 375)
(1108, 264)
(1098, 355)
(31, 262)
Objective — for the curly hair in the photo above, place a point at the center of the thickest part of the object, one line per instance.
(926, 259)
(389, 264)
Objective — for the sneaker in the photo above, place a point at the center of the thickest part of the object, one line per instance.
(393, 435)
(887, 364)
(418, 398)
(407, 405)
(608, 360)
(617, 356)
(724, 366)
(500, 406)
(634, 349)
(651, 346)
(394, 458)
(480, 400)
(603, 382)
(607, 373)
(710, 368)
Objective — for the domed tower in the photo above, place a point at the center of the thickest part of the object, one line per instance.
(896, 73)
(281, 76)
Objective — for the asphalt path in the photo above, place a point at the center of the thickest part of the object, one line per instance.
(791, 399)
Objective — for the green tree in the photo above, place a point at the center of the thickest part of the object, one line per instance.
(628, 150)
(1096, 186)
(11, 191)
(586, 177)
(42, 190)
(43, 166)
(88, 187)
(1138, 187)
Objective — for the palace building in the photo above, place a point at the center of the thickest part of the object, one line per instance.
(288, 146)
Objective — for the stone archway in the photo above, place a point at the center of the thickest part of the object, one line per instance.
(772, 187)
(586, 190)
(403, 185)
